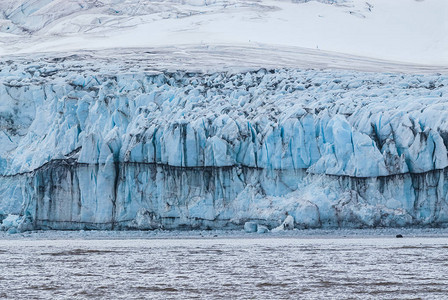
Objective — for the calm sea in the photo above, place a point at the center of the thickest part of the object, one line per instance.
(225, 268)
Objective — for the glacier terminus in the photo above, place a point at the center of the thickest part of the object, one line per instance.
(84, 146)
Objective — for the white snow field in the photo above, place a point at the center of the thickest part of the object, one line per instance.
(208, 114)
(401, 30)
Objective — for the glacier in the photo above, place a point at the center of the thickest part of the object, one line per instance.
(86, 147)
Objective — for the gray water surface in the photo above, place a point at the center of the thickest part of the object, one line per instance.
(229, 268)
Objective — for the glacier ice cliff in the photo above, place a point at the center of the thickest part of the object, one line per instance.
(95, 149)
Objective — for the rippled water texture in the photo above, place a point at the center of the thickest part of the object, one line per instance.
(275, 268)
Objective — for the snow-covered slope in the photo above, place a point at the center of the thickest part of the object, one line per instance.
(400, 30)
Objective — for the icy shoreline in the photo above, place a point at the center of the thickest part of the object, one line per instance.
(227, 234)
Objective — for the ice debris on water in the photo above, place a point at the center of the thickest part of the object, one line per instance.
(288, 224)
(15, 223)
(262, 229)
(10, 223)
(250, 227)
